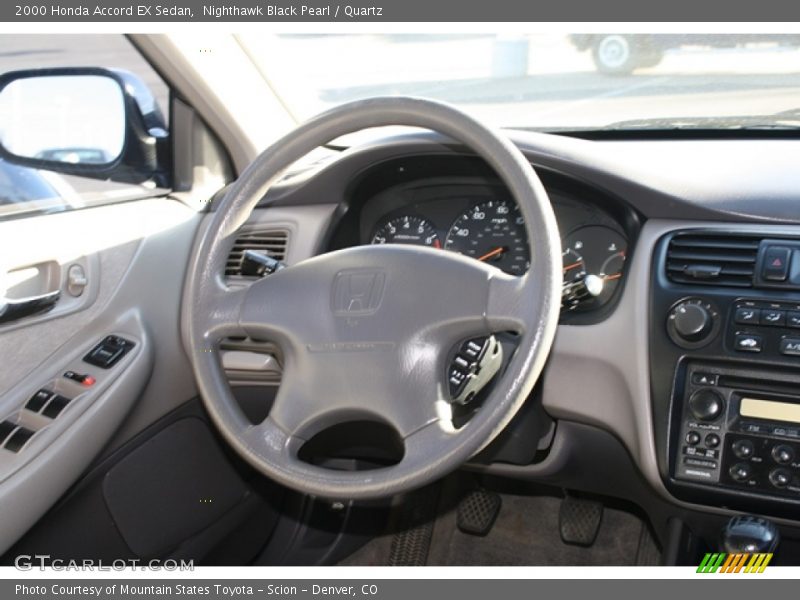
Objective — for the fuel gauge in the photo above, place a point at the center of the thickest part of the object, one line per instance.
(593, 261)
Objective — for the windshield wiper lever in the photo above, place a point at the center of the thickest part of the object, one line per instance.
(259, 264)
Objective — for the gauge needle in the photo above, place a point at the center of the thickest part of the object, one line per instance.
(612, 277)
(572, 266)
(491, 253)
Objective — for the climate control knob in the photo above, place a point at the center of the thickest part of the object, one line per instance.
(706, 405)
(692, 322)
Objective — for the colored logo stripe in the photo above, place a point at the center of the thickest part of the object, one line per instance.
(734, 563)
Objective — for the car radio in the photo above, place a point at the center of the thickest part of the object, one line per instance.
(739, 428)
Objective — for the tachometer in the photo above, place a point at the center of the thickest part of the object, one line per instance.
(493, 232)
(407, 230)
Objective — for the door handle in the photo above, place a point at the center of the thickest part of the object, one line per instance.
(11, 310)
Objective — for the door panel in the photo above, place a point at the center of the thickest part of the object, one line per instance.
(133, 257)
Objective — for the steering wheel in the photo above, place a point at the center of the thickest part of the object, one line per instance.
(366, 332)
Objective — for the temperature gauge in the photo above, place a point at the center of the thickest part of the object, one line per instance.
(593, 259)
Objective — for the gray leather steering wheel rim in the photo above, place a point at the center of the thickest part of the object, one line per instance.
(378, 358)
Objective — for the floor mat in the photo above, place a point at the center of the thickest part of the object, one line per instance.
(526, 533)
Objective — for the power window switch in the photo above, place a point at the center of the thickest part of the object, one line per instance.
(56, 405)
(18, 439)
(38, 400)
(6, 427)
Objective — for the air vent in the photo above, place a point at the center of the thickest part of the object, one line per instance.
(712, 259)
(273, 241)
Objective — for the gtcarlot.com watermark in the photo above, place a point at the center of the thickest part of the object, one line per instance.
(29, 562)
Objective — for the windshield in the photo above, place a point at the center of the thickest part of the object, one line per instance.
(548, 82)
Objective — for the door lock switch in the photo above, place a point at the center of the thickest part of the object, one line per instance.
(83, 378)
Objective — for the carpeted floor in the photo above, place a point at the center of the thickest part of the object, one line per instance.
(526, 533)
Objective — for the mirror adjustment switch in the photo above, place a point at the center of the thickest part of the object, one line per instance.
(18, 439)
(108, 352)
(38, 400)
(56, 405)
(6, 427)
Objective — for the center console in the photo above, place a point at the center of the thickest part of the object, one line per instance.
(725, 367)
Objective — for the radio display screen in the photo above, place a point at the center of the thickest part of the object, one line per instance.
(770, 410)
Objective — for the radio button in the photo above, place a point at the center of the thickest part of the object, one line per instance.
(747, 316)
(783, 454)
(697, 462)
(780, 478)
(704, 379)
(774, 317)
(790, 346)
(706, 405)
(692, 438)
(748, 343)
(712, 440)
(740, 472)
(743, 448)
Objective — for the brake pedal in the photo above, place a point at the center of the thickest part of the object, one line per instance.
(579, 521)
(478, 511)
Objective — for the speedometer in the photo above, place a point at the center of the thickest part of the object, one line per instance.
(492, 232)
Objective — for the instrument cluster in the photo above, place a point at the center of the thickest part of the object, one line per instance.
(483, 222)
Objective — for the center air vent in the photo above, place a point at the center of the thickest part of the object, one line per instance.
(712, 259)
(272, 241)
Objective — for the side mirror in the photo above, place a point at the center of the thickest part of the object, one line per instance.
(90, 122)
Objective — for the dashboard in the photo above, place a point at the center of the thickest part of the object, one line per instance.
(476, 216)
(614, 411)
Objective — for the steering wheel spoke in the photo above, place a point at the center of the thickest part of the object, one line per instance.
(506, 304)
(221, 316)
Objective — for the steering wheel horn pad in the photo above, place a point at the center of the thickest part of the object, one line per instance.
(365, 331)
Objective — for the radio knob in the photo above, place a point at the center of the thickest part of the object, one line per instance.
(743, 448)
(692, 322)
(780, 478)
(706, 405)
(740, 472)
(783, 454)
